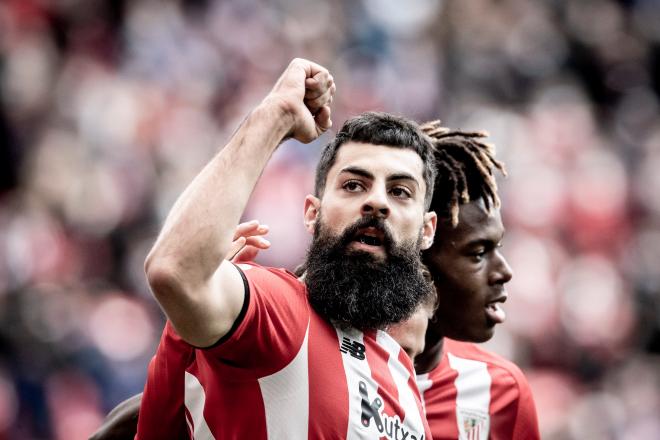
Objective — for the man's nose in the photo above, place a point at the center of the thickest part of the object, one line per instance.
(376, 204)
(502, 272)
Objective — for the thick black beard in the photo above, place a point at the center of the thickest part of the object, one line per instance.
(357, 289)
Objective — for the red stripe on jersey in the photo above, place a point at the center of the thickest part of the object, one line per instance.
(412, 384)
(440, 402)
(162, 408)
(407, 362)
(378, 357)
(221, 408)
(505, 406)
(513, 404)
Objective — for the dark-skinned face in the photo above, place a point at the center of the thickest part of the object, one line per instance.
(470, 274)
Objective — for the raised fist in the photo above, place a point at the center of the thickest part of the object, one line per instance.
(305, 91)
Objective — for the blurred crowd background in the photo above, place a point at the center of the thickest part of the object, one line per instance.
(109, 108)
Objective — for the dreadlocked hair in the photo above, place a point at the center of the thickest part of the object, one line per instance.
(465, 166)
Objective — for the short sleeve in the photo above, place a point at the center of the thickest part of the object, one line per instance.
(513, 414)
(526, 425)
(271, 327)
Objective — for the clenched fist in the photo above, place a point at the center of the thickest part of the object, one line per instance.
(304, 92)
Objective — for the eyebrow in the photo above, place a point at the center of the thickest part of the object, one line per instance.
(367, 174)
(480, 242)
(486, 242)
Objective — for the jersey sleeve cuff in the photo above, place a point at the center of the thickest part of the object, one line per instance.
(241, 315)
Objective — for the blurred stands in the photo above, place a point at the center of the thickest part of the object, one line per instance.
(109, 108)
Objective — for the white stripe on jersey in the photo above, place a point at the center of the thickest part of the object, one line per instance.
(357, 370)
(413, 419)
(472, 397)
(286, 397)
(194, 398)
(424, 382)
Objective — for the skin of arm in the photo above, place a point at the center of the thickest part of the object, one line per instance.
(199, 291)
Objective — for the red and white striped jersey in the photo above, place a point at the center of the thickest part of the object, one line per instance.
(162, 408)
(283, 372)
(476, 395)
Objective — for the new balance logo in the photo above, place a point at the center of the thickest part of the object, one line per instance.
(355, 348)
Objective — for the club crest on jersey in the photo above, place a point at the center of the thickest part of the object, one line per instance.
(389, 427)
(472, 424)
(354, 348)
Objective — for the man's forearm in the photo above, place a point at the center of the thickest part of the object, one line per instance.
(201, 295)
(183, 266)
(199, 229)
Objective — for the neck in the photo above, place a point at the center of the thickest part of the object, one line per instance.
(432, 354)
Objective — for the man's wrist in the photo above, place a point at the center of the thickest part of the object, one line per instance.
(278, 112)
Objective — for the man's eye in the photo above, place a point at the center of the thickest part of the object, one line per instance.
(400, 192)
(353, 186)
(479, 255)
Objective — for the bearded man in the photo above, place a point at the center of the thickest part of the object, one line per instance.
(300, 358)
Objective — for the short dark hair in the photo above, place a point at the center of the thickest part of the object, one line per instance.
(379, 128)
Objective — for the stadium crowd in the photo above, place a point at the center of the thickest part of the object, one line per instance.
(109, 108)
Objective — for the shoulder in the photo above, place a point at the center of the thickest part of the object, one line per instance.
(271, 326)
(476, 371)
(469, 350)
(505, 375)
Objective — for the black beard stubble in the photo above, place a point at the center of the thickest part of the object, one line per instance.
(357, 289)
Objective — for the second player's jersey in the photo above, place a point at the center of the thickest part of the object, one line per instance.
(476, 395)
(283, 372)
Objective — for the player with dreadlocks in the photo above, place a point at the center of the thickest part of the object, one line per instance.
(468, 392)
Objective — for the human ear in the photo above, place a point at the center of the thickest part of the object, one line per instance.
(428, 229)
(311, 212)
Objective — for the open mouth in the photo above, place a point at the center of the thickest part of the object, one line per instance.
(371, 237)
(367, 239)
(494, 311)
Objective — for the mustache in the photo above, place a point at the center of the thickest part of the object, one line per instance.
(367, 221)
